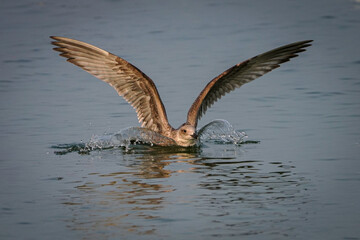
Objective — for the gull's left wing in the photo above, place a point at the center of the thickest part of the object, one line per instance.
(240, 74)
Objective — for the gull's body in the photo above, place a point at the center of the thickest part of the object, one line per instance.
(140, 91)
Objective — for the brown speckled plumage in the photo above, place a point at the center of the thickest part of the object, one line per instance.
(140, 91)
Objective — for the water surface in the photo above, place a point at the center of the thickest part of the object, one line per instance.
(299, 181)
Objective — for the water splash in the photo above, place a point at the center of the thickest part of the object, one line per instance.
(218, 131)
(221, 131)
(129, 136)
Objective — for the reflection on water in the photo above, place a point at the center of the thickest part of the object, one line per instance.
(144, 195)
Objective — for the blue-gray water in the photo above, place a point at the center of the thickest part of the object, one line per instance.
(301, 181)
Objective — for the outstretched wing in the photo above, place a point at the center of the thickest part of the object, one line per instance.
(240, 74)
(130, 83)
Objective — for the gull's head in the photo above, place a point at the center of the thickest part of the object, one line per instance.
(186, 135)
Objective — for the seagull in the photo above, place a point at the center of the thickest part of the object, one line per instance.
(141, 93)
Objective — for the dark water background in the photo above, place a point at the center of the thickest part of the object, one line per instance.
(300, 182)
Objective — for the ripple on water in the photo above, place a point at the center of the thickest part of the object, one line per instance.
(154, 186)
(151, 191)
